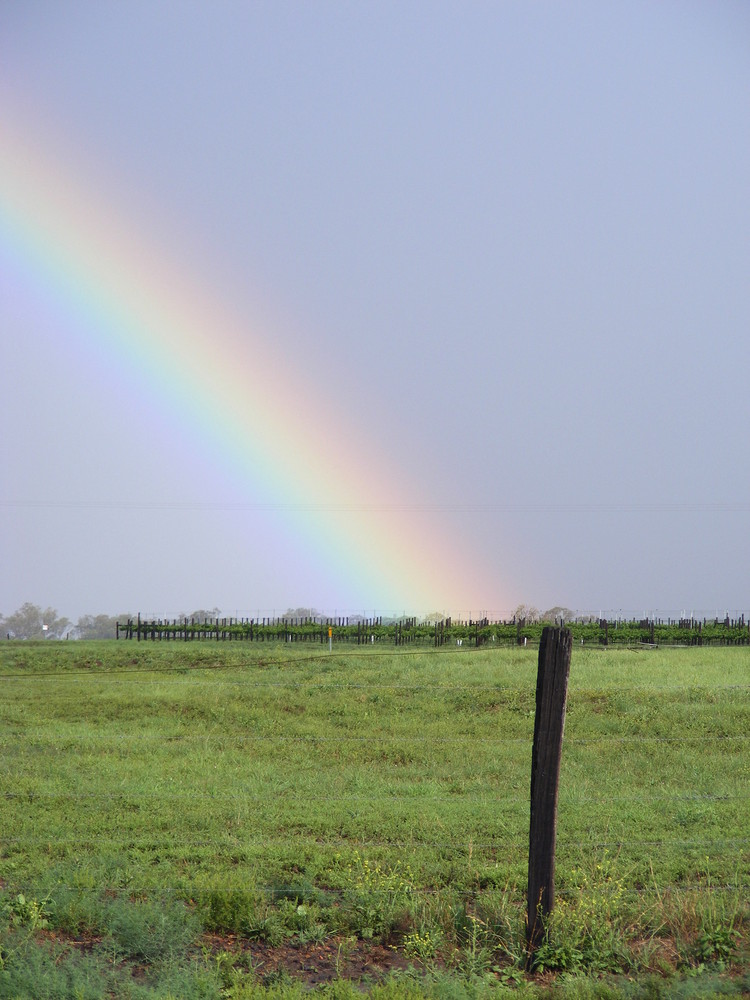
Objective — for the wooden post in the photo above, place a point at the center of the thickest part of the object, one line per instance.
(551, 694)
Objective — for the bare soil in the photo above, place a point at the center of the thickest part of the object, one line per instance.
(313, 963)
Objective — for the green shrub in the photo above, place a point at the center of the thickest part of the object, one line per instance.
(149, 931)
(228, 911)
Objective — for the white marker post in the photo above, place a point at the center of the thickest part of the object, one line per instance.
(330, 639)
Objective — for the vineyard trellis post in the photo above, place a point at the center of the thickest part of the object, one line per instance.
(549, 722)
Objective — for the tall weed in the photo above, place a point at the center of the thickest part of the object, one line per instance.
(377, 901)
(587, 928)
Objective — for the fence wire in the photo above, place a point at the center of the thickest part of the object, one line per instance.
(483, 799)
(307, 891)
(356, 842)
(467, 740)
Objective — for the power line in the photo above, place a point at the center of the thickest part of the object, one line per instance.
(343, 508)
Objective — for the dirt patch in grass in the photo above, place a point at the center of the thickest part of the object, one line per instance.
(314, 963)
(81, 942)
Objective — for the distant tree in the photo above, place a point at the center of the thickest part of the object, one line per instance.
(202, 614)
(33, 622)
(557, 613)
(433, 616)
(527, 613)
(99, 626)
(303, 613)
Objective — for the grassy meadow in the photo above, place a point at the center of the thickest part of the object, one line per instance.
(236, 820)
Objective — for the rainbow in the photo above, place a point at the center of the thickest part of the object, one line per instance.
(219, 376)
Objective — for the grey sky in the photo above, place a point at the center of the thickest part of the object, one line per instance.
(507, 241)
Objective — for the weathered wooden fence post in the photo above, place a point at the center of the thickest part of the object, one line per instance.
(551, 695)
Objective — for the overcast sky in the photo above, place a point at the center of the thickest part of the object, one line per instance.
(505, 245)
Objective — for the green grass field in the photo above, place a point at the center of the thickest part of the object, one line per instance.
(171, 812)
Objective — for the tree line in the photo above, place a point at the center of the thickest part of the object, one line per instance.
(32, 621)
